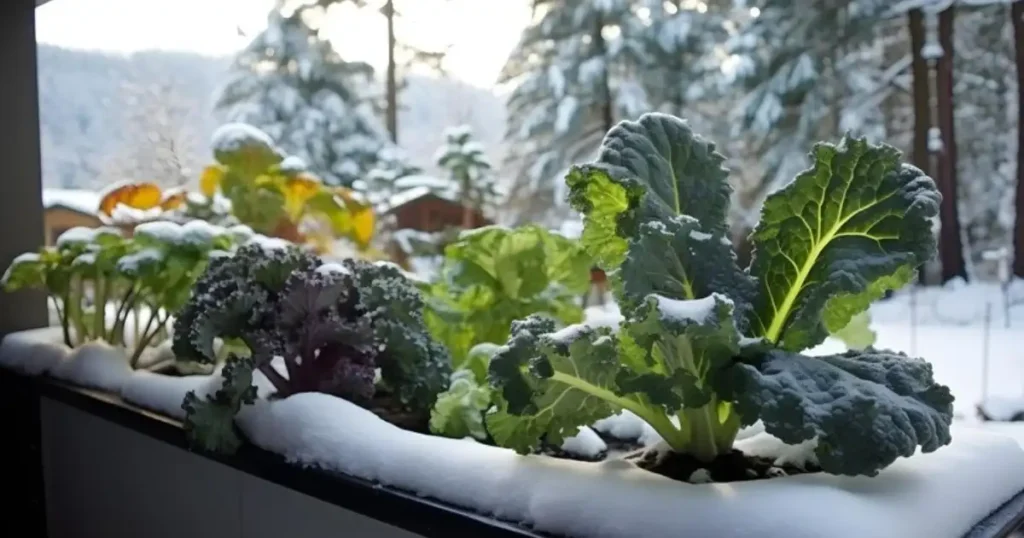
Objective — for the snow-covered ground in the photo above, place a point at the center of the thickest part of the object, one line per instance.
(920, 496)
(947, 327)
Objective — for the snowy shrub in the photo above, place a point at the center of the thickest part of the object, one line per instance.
(276, 195)
(707, 347)
(333, 325)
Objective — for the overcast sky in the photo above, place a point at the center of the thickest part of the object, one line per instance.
(481, 32)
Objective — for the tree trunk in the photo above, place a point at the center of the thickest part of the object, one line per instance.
(607, 109)
(951, 251)
(392, 76)
(1017, 13)
(921, 93)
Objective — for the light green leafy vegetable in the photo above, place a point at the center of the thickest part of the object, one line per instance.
(493, 276)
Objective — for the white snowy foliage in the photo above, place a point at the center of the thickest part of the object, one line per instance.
(290, 83)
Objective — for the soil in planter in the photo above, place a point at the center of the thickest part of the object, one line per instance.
(387, 407)
(734, 466)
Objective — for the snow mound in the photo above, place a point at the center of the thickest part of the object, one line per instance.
(1002, 408)
(232, 137)
(624, 425)
(920, 496)
(766, 445)
(586, 444)
(606, 315)
(33, 352)
(164, 393)
(95, 365)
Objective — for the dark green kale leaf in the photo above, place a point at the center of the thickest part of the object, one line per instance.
(235, 298)
(864, 408)
(413, 365)
(856, 224)
(647, 171)
(210, 422)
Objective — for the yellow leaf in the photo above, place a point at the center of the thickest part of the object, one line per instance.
(363, 223)
(363, 218)
(211, 179)
(297, 192)
(137, 195)
(172, 200)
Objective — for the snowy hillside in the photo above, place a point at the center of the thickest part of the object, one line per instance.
(90, 128)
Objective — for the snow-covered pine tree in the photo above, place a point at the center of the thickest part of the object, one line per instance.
(688, 73)
(986, 110)
(574, 74)
(813, 69)
(293, 85)
(470, 170)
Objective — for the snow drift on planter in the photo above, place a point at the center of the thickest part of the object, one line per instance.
(920, 496)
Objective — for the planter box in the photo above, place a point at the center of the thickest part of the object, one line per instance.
(113, 469)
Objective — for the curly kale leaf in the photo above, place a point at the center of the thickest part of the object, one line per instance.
(210, 422)
(674, 258)
(665, 362)
(650, 170)
(865, 408)
(854, 225)
(327, 347)
(236, 297)
(551, 383)
(413, 365)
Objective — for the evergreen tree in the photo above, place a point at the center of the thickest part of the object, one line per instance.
(292, 84)
(813, 70)
(471, 172)
(985, 111)
(575, 72)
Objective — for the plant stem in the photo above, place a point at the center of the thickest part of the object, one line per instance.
(99, 301)
(280, 383)
(75, 310)
(62, 313)
(675, 437)
(140, 345)
(121, 316)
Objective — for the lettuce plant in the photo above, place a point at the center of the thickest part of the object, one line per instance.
(334, 325)
(707, 347)
(492, 276)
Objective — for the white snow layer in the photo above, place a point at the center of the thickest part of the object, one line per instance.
(94, 365)
(919, 496)
(586, 443)
(1002, 408)
(83, 201)
(164, 394)
(34, 351)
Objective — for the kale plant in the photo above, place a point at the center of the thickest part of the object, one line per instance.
(707, 347)
(333, 325)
